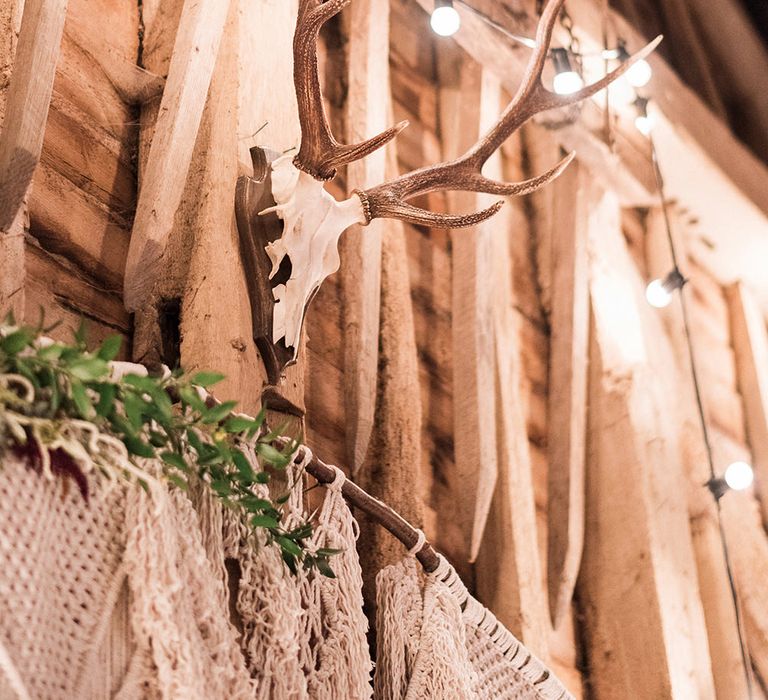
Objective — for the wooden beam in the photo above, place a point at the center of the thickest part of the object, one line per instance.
(644, 623)
(367, 102)
(392, 471)
(496, 503)
(27, 102)
(749, 337)
(469, 101)
(574, 195)
(748, 549)
(165, 175)
(716, 601)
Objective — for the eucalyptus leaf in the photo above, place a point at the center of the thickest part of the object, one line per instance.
(206, 379)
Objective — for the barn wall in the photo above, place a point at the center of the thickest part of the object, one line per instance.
(81, 209)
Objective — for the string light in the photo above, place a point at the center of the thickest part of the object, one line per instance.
(640, 74)
(737, 477)
(566, 81)
(445, 20)
(644, 121)
(659, 292)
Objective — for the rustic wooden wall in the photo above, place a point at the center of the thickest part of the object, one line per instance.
(651, 616)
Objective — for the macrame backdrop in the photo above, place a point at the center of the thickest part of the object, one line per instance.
(436, 641)
(127, 596)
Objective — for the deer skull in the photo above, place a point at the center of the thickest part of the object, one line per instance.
(313, 222)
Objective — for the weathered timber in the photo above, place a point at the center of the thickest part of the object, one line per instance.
(27, 101)
(165, 174)
(574, 197)
(637, 554)
(367, 100)
(392, 471)
(749, 337)
(474, 383)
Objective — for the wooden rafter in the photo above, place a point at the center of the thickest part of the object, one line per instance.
(165, 175)
(367, 100)
(27, 102)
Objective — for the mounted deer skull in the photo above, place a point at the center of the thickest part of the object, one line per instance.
(313, 221)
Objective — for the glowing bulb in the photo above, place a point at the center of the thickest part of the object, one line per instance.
(657, 294)
(622, 93)
(445, 21)
(567, 83)
(639, 75)
(644, 124)
(739, 476)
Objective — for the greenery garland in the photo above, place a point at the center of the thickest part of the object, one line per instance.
(60, 404)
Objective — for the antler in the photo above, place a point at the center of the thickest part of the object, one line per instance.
(320, 153)
(388, 200)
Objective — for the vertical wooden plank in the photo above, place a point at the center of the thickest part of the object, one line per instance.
(644, 623)
(391, 471)
(749, 337)
(508, 569)
(215, 312)
(367, 101)
(32, 60)
(465, 110)
(165, 173)
(716, 601)
(27, 102)
(568, 369)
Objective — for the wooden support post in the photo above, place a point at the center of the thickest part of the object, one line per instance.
(719, 611)
(644, 623)
(749, 337)
(21, 139)
(26, 106)
(568, 368)
(495, 503)
(165, 174)
(367, 100)
(465, 109)
(391, 472)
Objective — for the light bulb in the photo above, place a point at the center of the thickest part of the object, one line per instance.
(644, 124)
(567, 83)
(621, 92)
(657, 294)
(566, 80)
(639, 75)
(445, 21)
(739, 476)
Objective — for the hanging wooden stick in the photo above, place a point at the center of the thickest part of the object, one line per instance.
(374, 508)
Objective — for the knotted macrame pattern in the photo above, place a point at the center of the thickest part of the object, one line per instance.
(126, 597)
(436, 641)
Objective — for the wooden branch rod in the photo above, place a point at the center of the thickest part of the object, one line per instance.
(383, 514)
(388, 518)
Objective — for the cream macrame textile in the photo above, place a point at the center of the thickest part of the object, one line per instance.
(436, 641)
(126, 597)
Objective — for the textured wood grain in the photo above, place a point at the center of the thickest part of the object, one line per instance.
(195, 50)
(574, 196)
(474, 382)
(749, 337)
(367, 113)
(27, 101)
(638, 559)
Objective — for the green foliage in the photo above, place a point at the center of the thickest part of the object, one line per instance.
(189, 436)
